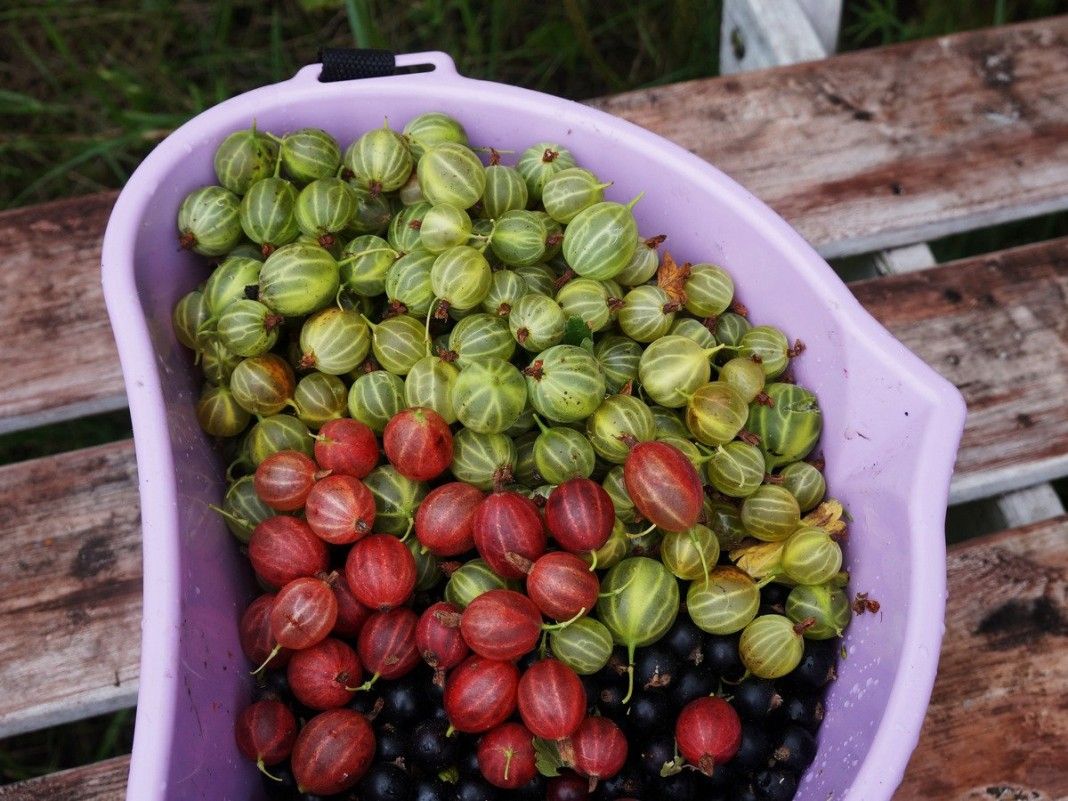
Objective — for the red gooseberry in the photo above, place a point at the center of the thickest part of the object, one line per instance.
(438, 638)
(567, 787)
(597, 749)
(254, 631)
(579, 514)
(284, 479)
(501, 624)
(322, 676)
(443, 519)
(340, 509)
(708, 732)
(351, 614)
(381, 572)
(552, 699)
(386, 645)
(664, 485)
(480, 694)
(332, 752)
(506, 756)
(283, 548)
(346, 447)
(508, 533)
(418, 442)
(303, 613)
(562, 585)
(265, 732)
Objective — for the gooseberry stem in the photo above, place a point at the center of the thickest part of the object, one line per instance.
(630, 673)
(564, 624)
(263, 770)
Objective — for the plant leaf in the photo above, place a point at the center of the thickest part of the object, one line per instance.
(547, 757)
(671, 277)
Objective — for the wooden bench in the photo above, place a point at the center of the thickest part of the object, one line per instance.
(860, 152)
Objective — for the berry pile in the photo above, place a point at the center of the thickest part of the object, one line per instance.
(593, 562)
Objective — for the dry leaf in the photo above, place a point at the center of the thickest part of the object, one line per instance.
(671, 277)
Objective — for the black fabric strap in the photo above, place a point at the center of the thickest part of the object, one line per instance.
(346, 64)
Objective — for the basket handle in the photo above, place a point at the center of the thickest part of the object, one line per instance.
(349, 64)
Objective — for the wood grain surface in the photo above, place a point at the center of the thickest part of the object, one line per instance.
(104, 781)
(70, 568)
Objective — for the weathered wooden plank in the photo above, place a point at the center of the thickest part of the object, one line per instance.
(55, 341)
(996, 326)
(70, 610)
(888, 146)
(999, 713)
(104, 781)
(756, 34)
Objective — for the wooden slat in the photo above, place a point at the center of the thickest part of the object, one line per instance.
(58, 353)
(997, 327)
(887, 146)
(104, 781)
(860, 151)
(999, 713)
(70, 568)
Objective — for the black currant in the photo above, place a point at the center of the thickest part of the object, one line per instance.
(404, 702)
(796, 749)
(804, 710)
(386, 782)
(475, 788)
(684, 640)
(390, 744)
(430, 747)
(755, 698)
(647, 714)
(658, 749)
(754, 752)
(679, 787)
(693, 682)
(817, 666)
(721, 656)
(775, 785)
(655, 668)
(432, 790)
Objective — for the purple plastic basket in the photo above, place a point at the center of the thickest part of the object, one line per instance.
(892, 425)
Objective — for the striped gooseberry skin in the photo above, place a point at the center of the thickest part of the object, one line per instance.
(725, 602)
(283, 548)
(320, 398)
(565, 383)
(243, 158)
(599, 748)
(308, 154)
(263, 385)
(265, 732)
(444, 227)
(365, 262)
(217, 362)
(673, 367)
(190, 314)
(244, 509)
(643, 264)
(248, 328)
(267, 213)
(823, 608)
(745, 375)
(332, 752)
(810, 556)
(460, 277)
(483, 460)
(806, 483)
(508, 533)
(219, 413)
(790, 428)
(324, 208)
(715, 413)
(647, 313)
(697, 331)
(561, 453)
(771, 513)
(600, 240)
(303, 613)
(254, 633)
(374, 398)
(479, 336)
(616, 488)
(351, 614)
(284, 479)
(585, 646)
(396, 499)
(664, 485)
(418, 443)
(209, 221)
(736, 469)
(438, 637)
(708, 732)
(618, 419)
(298, 279)
(769, 345)
(386, 644)
(570, 191)
(340, 509)
(771, 646)
(347, 447)
(586, 299)
(404, 232)
(408, 284)
(501, 624)
(539, 278)
(451, 173)
(471, 580)
(334, 341)
(690, 554)
(505, 191)
(537, 322)
(551, 699)
(381, 572)
(506, 756)
(480, 693)
(432, 128)
(619, 358)
(540, 162)
(709, 290)
(506, 288)
(443, 520)
(379, 160)
(429, 384)
(730, 328)
(398, 343)
(518, 238)
(320, 675)
(489, 396)
(579, 514)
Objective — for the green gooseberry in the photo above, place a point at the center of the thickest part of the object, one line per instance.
(565, 383)
(506, 288)
(298, 279)
(480, 336)
(444, 227)
(587, 300)
(615, 549)
(243, 158)
(771, 646)
(209, 221)
(690, 554)
(540, 279)
(489, 395)
(584, 645)
(483, 460)
(600, 240)
(217, 361)
(334, 341)
(561, 453)
(398, 343)
(429, 385)
(715, 413)
(524, 423)
(248, 328)
(336, 244)
(379, 160)
(730, 328)
(736, 469)
(769, 345)
(539, 162)
(554, 240)
(375, 397)
(263, 385)
(373, 212)
(365, 262)
(709, 290)
(688, 448)
(616, 488)
(278, 432)
(693, 329)
(324, 209)
(570, 191)
(427, 567)
(396, 499)
(643, 263)
(405, 229)
(744, 375)
(189, 316)
(771, 513)
(537, 322)
(806, 483)
(518, 238)
(319, 398)
(725, 602)
(647, 313)
(811, 556)
(460, 278)
(410, 193)
(230, 282)
(408, 284)
(220, 414)
(789, 427)
(471, 580)
(309, 154)
(451, 173)
(268, 213)
(526, 471)
(672, 368)
(246, 250)
(505, 191)
(424, 131)
(726, 523)
(242, 509)
(619, 357)
(823, 609)
(668, 423)
(620, 422)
